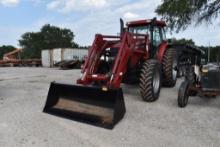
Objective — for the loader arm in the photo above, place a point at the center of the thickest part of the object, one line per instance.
(89, 71)
(121, 61)
(133, 48)
(128, 44)
(94, 52)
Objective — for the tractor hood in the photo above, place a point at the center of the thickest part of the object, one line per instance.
(211, 67)
(210, 79)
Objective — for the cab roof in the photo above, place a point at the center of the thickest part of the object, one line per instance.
(146, 22)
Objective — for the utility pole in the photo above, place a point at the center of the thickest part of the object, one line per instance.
(209, 52)
(218, 60)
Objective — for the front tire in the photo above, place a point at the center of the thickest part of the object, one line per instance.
(150, 81)
(183, 94)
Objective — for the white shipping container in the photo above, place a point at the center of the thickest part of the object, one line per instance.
(46, 58)
(53, 56)
(57, 55)
(81, 53)
(69, 54)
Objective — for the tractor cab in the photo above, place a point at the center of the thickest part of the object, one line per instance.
(152, 27)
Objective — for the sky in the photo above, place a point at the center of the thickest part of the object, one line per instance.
(86, 18)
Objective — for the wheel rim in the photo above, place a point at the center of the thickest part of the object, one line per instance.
(174, 70)
(156, 82)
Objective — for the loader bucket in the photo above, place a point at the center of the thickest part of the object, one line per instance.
(86, 104)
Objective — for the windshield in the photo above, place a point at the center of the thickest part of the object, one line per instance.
(144, 30)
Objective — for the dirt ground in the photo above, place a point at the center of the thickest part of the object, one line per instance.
(23, 93)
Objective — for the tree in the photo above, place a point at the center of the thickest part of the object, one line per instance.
(214, 53)
(5, 49)
(32, 45)
(49, 37)
(179, 14)
(54, 37)
(183, 41)
(83, 47)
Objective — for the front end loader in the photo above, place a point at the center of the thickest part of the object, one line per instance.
(139, 55)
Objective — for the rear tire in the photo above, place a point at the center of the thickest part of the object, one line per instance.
(183, 94)
(169, 67)
(150, 81)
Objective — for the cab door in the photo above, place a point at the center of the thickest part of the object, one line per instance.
(156, 40)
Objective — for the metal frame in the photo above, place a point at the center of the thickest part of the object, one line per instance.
(193, 87)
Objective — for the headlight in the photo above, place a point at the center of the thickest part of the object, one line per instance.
(205, 70)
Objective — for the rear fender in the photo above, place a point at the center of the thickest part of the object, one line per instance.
(162, 48)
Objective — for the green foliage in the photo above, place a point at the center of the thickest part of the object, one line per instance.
(83, 47)
(182, 41)
(214, 53)
(5, 49)
(32, 44)
(49, 37)
(181, 13)
(54, 37)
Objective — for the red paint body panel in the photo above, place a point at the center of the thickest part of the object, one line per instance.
(145, 22)
(161, 51)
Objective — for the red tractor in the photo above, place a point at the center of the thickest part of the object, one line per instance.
(140, 54)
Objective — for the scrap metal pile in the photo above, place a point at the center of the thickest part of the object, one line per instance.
(13, 59)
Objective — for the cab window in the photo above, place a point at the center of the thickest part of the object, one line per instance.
(144, 30)
(163, 34)
(156, 36)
